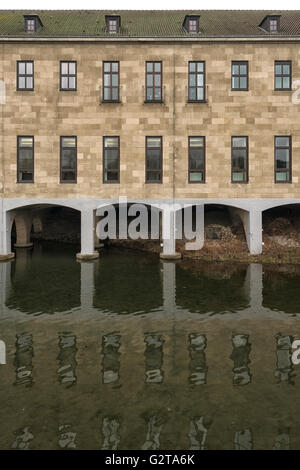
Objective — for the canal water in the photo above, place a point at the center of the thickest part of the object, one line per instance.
(130, 352)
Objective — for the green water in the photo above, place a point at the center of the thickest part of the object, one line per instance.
(129, 352)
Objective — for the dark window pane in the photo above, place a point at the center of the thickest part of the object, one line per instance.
(68, 176)
(111, 176)
(153, 176)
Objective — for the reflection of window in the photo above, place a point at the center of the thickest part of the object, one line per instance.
(283, 75)
(153, 159)
(68, 159)
(68, 75)
(25, 75)
(25, 159)
(196, 81)
(239, 159)
(283, 171)
(239, 75)
(153, 81)
(110, 81)
(196, 159)
(111, 159)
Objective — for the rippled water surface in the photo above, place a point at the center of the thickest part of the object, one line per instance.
(129, 352)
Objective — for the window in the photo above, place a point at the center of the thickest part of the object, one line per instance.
(193, 25)
(68, 159)
(239, 159)
(111, 159)
(68, 76)
(25, 157)
(110, 81)
(153, 159)
(283, 75)
(283, 159)
(196, 81)
(30, 25)
(112, 25)
(273, 25)
(196, 159)
(154, 81)
(239, 76)
(25, 75)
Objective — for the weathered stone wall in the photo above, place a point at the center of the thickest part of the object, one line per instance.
(48, 113)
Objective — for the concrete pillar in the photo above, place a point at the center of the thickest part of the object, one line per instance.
(253, 231)
(87, 236)
(23, 223)
(169, 234)
(5, 243)
(87, 286)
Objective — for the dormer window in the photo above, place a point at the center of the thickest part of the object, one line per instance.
(271, 24)
(32, 23)
(191, 24)
(30, 26)
(113, 24)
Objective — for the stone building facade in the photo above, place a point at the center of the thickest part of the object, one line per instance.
(247, 89)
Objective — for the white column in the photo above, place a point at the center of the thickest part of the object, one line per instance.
(87, 236)
(168, 234)
(254, 231)
(5, 242)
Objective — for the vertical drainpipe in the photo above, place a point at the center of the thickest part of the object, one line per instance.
(174, 122)
(2, 124)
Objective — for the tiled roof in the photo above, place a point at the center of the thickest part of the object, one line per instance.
(147, 23)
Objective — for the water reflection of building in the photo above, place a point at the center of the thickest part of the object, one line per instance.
(110, 405)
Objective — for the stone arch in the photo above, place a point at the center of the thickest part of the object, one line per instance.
(117, 204)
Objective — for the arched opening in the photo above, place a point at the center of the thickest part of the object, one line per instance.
(223, 231)
(130, 226)
(43, 223)
(281, 231)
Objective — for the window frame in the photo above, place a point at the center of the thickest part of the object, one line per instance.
(239, 63)
(289, 171)
(28, 30)
(60, 164)
(117, 20)
(25, 75)
(273, 20)
(160, 160)
(18, 158)
(153, 86)
(246, 171)
(61, 75)
(282, 63)
(110, 87)
(192, 31)
(196, 73)
(103, 160)
(204, 160)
